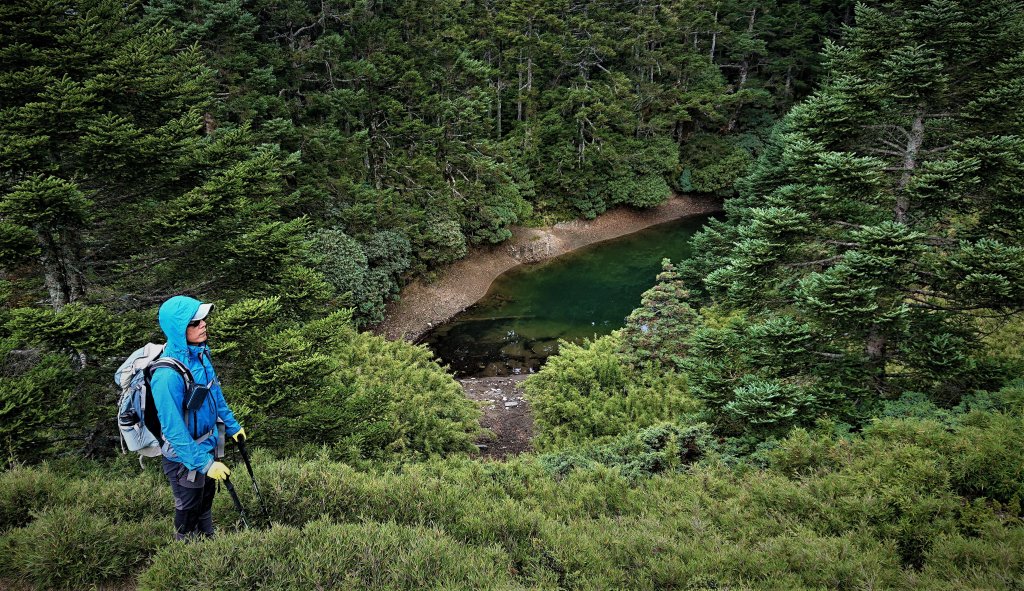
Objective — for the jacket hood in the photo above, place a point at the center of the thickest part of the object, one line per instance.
(174, 316)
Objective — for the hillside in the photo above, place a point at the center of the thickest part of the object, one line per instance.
(828, 394)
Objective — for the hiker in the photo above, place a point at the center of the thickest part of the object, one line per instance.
(189, 419)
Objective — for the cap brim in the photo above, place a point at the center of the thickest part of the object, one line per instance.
(202, 312)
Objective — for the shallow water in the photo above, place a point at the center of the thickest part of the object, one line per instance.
(583, 294)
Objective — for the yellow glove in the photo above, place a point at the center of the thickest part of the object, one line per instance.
(218, 471)
(240, 434)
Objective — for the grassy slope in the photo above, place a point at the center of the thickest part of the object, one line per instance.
(908, 504)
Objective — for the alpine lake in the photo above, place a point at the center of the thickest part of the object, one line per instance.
(581, 295)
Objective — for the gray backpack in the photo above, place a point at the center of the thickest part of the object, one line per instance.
(136, 413)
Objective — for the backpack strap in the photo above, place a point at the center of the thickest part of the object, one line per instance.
(172, 363)
(183, 371)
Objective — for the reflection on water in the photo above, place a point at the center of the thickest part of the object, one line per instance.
(587, 293)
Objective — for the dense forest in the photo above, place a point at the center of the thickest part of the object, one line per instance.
(830, 394)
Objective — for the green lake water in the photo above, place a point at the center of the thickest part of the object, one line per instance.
(580, 295)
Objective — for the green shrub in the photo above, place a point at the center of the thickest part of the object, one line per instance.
(427, 412)
(366, 272)
(711, 164)
(323, 555)
(299, 386)
(866, 507)
(987, 456)
(991, 560)
(133, 498)
(1003, 339)
(694, 552)
(70, 548)
(639, 454)
(918, 406)
(803, 454)
(137, 497)
(588, 394)
(904, 479)
(891, 507)
(32, 401)
(23, 491)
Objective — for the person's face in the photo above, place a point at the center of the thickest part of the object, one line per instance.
(195, 334)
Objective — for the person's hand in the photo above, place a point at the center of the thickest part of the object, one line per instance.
(218, 471)
(240, 436)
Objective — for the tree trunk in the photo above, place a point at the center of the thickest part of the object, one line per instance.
(714, 38)
(745, 66)
(914, 141)
(744, 72)
(582, 148)
(63, 277)
(529, 76)
(875, 347)
(209, 123)
(62, 273)
(71, 257)
(519, 95)
(52, 275)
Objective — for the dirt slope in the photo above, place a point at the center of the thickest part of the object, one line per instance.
(506, 413)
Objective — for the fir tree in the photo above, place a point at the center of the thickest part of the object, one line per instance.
(878, 221)
(95, 109)
(116, 194)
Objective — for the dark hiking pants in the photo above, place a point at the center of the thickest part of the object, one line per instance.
(193, 501)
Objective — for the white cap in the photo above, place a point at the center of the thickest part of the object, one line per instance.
(203, 310)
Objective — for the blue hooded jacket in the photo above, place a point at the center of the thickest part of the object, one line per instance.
(169, 391)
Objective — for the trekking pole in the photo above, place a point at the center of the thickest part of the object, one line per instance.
(248, 466)
(234, 497)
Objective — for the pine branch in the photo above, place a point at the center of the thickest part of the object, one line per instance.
(922, 303)
(104, 264)
(1005, 317)
(894, 146)
(937, 241)
(889, 128)
(142, 267)
(836, 356)
(816, 262)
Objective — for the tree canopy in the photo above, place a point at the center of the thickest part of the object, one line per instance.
(878, 230)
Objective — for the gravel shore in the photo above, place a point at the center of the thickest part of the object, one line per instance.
(423, 306)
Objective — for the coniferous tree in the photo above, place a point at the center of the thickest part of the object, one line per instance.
(115, 193)
(110, 169)
(91, 105)
(474, 112)
(877, 221)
